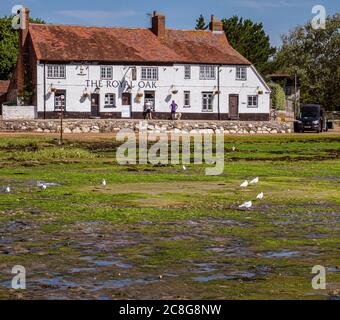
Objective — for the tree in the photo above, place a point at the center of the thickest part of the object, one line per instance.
(315, 55)
(200, 23)
(9, 42)
(250, 40)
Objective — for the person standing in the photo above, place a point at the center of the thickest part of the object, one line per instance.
(148, 110)
(173, 108)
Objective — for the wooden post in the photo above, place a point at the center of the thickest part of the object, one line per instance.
(61, 125)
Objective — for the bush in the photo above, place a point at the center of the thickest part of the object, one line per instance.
(278, 97)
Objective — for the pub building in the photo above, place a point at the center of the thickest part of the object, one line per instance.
(108, 72)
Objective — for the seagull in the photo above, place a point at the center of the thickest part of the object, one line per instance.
(260, 196)
(244, 184)
(246, 205)
(104, 183)
(43, 186)
(8, 190)
(256, 180)
(184, 168)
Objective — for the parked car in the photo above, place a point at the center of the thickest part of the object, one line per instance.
(312, 118)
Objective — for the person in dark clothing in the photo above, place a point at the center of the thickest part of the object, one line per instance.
(173, 108)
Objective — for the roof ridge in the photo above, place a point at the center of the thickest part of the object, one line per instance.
(83, 26)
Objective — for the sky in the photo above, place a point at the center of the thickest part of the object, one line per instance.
(277, 16)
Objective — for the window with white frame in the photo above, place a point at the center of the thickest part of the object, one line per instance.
(253, 101)
(106, 73)
(110, 100)
(186, 99)
(207, 73)
(241, 73)
(60, 100)
(187, 72)
(207, 101)
(150, 73)
(56, 72)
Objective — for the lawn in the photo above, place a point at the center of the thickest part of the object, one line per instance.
(159, 232)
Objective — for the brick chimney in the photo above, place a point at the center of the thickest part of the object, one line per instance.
(20, 68)
(23, 31)
(216, 26)
(158, 24)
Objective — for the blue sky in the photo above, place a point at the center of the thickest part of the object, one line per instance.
(278, 16)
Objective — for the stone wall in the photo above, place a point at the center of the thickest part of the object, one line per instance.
(155, 126)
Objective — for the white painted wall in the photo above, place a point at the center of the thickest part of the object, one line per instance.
(18, 112)
(75, 85)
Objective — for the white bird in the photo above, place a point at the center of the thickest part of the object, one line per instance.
(184, 168)
(104, 183)
(260, 196)
(244, 184)
(234, 149)
(8, 190)
(43, 186)
(256, 180)
(246, 205)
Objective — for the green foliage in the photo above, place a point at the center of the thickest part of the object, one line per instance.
(315, 55)
(9, 40)
(250, 40)
(278, 96)
(200, 23)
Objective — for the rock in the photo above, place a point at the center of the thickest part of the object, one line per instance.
(67, 130)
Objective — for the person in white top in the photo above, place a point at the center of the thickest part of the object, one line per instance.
(148, 110)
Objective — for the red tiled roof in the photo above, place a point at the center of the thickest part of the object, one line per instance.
(4, 84)
(76, 43)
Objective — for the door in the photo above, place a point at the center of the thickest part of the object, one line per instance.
(150, 97)
(95, 105)
(233, 106)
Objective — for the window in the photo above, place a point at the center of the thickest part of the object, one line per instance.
(241, 73)
(60, 100)
(106, 73)
(186, 99)
(110, 100)
(56, 72)
(207, 73)
(252, 101)
(187, 72)
(150, 74)
(207, 101)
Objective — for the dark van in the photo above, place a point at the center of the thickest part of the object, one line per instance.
(312, 118)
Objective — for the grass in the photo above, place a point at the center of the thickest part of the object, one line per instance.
(161, 220)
